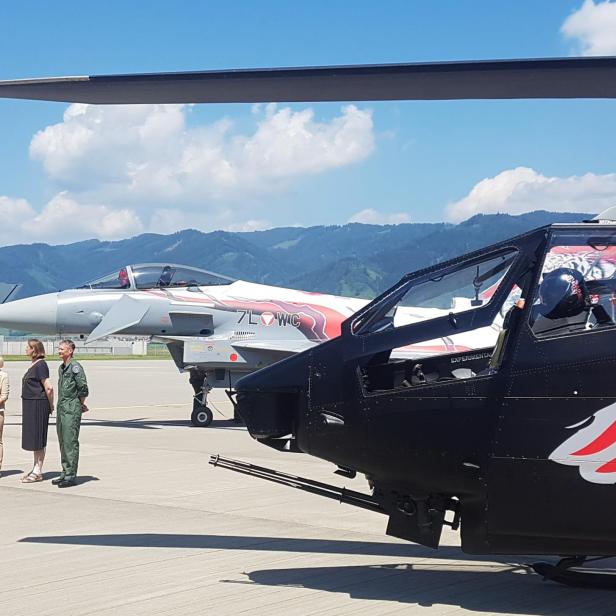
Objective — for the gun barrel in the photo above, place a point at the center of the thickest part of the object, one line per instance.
(342, 495)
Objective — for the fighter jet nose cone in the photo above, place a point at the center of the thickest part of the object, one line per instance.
(33, 314)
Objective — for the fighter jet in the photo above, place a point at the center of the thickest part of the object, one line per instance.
(216, 328)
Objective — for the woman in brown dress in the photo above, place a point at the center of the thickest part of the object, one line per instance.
(37, 406)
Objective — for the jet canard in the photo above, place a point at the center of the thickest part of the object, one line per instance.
(514, 443)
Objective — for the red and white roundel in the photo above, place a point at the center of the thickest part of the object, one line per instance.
(267, 318)
(592, 448)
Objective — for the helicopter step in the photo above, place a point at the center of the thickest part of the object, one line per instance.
(569, 571)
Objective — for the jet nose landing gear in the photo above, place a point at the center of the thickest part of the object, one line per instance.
(201, 416)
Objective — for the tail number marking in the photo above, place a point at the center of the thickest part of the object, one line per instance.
(282, 319)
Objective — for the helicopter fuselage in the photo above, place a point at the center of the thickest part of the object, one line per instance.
(486, 437)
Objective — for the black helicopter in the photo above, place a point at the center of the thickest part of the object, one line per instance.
(514, 443)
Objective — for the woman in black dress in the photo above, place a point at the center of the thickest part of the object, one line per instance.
(37, 406)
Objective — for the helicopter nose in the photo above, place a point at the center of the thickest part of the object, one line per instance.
(33, 314)
(269, 400)
(267, 414)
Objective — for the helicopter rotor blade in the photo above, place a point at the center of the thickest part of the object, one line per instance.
(493, 79)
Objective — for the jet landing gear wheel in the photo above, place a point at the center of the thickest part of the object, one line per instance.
(201, 416)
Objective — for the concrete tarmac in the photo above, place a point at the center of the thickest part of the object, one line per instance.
(153, 529)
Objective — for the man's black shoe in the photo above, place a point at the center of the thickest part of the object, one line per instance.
(66, 483)
(57, 480)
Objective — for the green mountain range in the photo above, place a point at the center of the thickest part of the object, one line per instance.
(355, 259)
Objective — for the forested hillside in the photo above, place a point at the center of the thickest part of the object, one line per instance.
(353, 259)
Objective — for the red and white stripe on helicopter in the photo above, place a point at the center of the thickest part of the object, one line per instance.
(592, 448)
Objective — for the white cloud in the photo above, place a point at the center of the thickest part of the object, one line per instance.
(142, 167)
(373, 217)
(593, 28)
(522, 189)
(147, 156)
(63, 220)
(167, 220)
(13, 214)
(250, 225)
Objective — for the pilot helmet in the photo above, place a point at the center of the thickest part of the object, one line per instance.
(123, 277)
(563, 293)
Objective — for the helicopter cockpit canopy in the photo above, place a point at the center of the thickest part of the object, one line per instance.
(156, 276)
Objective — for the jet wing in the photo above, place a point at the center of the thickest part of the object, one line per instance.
(277, 347)
(122, 315)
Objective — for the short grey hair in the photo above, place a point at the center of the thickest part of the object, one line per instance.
(67, 342)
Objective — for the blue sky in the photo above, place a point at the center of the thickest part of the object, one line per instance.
(79, 172)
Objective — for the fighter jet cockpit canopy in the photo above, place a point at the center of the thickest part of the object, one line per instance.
(156, 276)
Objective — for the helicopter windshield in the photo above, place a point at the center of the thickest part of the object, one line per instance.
(461, 288)
(459, 316)
(160, 275)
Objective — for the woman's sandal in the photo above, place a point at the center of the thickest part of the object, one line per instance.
(32, 478)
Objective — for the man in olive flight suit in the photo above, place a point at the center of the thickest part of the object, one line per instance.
(72, 393)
